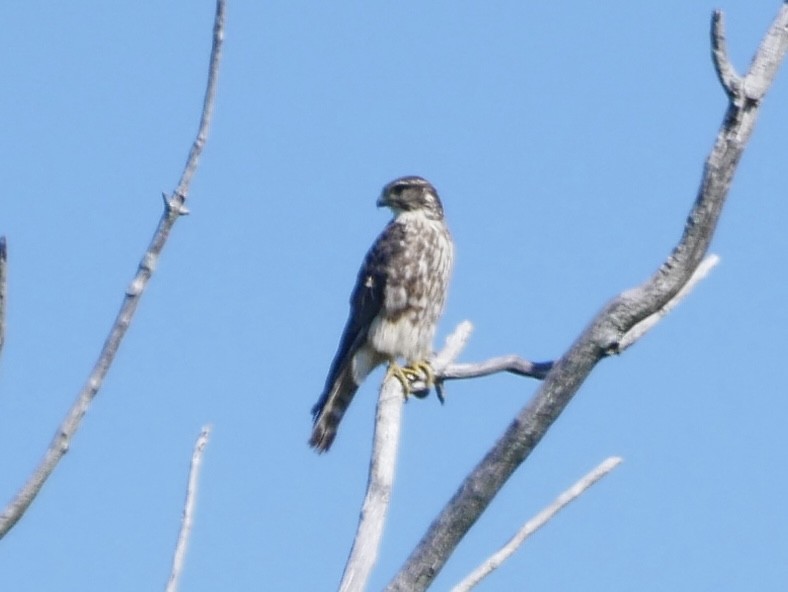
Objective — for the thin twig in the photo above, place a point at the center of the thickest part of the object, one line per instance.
(729, 79)
(535, 523)
(512, 364)
(3, 288)
(174, 208)
(364, 552)
(604, 331)
(208, 102)
(644, 326)
(768, 58)
(188, 510)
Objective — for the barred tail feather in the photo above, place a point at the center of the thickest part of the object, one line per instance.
(330, 408)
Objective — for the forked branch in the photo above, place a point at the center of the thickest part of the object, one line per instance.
(729, 79)
(606, 332)
(521, 367)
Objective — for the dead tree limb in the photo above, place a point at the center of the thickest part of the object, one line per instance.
(364, 553)
(521, 367)
(512, 364)
(535, 523)
(174, 208)
(607, 329)
(644, 326)
(179, 557)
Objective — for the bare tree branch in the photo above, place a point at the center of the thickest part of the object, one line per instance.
(535, 523)
(729, 79)
(605, 332)
(521, 367)
(512, 364)
(644, 326)
(208, 102)
(3, 288)
(768, 59)
(364, 553)
(188, 510)
(174, 208)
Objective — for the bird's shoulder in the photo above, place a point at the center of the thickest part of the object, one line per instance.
(371, 280)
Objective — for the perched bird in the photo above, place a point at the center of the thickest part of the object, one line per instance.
(394, 308)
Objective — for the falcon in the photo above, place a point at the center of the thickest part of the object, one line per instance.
(394, 308)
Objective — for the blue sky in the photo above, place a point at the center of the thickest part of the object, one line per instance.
(566, 140)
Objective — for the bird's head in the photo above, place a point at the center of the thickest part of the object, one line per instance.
(411, 194)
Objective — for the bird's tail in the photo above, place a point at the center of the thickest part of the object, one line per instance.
(330, 408)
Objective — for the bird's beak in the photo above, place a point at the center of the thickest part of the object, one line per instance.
(382, 201)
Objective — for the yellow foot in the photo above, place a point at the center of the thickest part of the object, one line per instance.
(398, 372)
(421, 370)
(411, 373)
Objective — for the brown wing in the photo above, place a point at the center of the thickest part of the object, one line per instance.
(366, 303)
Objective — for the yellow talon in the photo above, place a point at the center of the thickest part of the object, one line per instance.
(411, 373)
(400, 374)
(420, 370)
